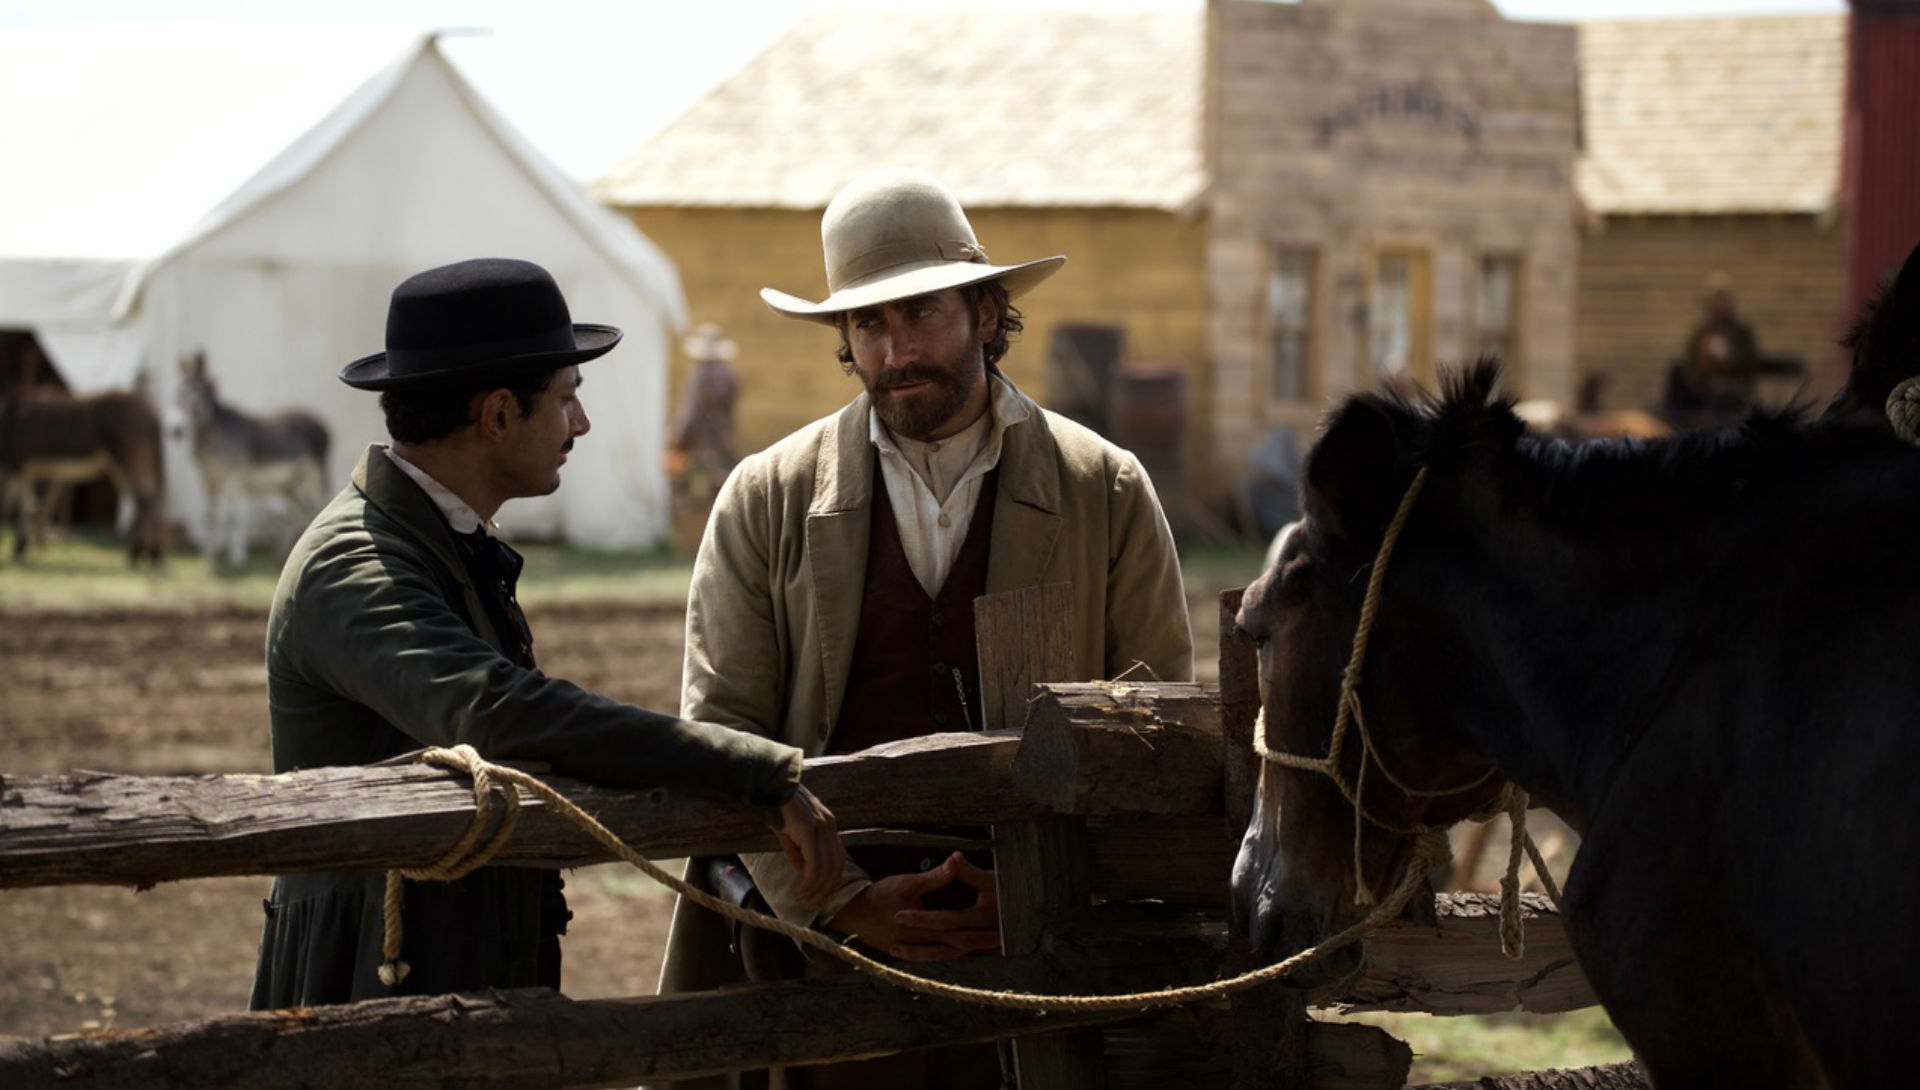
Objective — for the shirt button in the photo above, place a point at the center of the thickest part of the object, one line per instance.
(945, 521)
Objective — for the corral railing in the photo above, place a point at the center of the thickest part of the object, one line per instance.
(1114, 810)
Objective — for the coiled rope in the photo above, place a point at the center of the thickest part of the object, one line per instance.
(1903, 409)
(1429, 852)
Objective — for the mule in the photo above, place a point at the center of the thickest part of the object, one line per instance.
(1698, 651)
(249, 463)
(54, 441)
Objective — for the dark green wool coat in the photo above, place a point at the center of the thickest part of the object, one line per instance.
(379, 642)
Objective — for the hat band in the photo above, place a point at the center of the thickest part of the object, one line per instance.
(413, 361)
(879, 260)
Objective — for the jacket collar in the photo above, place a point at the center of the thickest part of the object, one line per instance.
(1029, 470)
(388, 487)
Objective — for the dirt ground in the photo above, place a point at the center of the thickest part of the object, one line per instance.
(175, 693)
(172, 693)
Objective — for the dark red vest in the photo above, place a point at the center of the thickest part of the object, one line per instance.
(915, 670)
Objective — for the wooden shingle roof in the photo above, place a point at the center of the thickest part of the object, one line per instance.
(1712, 116)
(1038, 108)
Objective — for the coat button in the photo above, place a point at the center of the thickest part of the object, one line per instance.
(940, 719)
(939, 667)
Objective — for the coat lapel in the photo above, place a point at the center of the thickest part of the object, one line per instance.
(1026, 514)
(838, 521)
(387, 487)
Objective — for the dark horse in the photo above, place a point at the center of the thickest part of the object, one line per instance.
(56, 440)
(1699, 651)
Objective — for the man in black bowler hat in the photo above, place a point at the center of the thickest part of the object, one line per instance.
(394, 626)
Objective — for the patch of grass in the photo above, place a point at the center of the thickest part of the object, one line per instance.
(1213, 568)
(87, 572)
(1467, 1047)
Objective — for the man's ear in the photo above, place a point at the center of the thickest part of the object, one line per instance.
(493, 411)
(986, 323)
(1349, 489)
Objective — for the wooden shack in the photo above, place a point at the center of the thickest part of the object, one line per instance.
(1713, 150)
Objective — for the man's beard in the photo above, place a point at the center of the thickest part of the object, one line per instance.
(921, 414)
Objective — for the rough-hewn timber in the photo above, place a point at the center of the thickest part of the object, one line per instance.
(1143, 747)
(1618, 1076)
(538, 1038)
(91, 827)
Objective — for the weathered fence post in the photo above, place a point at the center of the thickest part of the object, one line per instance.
(1026, 636)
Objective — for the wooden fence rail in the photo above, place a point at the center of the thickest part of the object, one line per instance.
(1113, 808)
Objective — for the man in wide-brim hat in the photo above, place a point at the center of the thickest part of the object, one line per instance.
(395, 627)
(832, 596)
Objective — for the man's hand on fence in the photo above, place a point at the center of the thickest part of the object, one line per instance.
(890, 914)
(811, 840)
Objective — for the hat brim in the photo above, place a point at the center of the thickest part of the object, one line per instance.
(590, 341)
(906, 282)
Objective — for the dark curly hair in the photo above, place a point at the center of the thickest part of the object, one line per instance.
(988, 291)
(437, 410)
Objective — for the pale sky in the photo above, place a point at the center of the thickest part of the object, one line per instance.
(537, 61)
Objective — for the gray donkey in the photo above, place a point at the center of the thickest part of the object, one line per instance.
(247, 462)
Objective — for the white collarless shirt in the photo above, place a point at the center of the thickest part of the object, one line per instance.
(463, 518)
(934, 486)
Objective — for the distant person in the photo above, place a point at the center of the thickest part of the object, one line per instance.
(1715, 375)
(701, 451)
(832, 596)
(395, 626)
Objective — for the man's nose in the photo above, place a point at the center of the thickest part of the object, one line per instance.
(581, 425)
(902, 347)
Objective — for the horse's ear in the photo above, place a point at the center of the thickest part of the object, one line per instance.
(1349, 489)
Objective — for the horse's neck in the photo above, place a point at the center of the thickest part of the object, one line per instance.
(1583, 674)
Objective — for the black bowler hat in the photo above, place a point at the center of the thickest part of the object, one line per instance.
(492, 316)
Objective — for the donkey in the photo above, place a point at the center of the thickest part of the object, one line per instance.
(244, 460)
(57, 441)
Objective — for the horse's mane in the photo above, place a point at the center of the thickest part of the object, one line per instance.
(1616, 483)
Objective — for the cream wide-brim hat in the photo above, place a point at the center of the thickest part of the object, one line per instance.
(894, 234)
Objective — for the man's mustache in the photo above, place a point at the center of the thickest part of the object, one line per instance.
(567, 447)
(908, 376)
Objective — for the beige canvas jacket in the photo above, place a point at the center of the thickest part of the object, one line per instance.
(777, 586)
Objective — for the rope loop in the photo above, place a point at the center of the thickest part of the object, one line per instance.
(461, 859)
(1430, 850)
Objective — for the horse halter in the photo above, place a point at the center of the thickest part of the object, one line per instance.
(1350, 712)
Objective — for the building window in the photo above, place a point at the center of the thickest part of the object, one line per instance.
(1390, 316)
(1499, 310)
(1290, 316)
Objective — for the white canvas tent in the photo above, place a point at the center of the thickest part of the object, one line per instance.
(256, 193)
